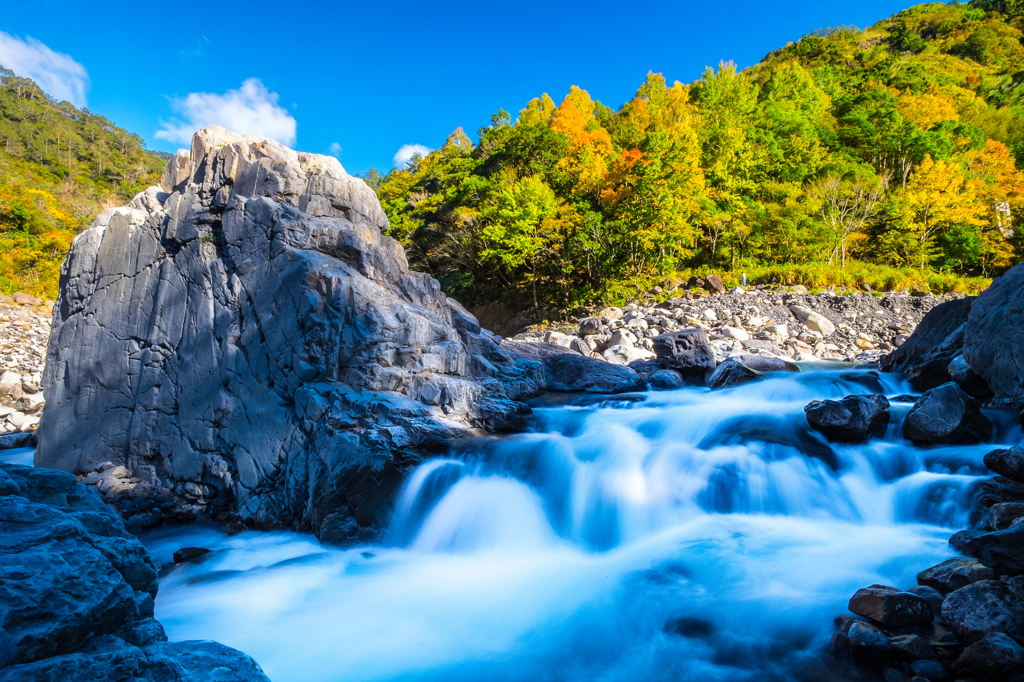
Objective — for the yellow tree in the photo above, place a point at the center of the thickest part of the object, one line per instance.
(538, 111)
(938, 196)
(590, 145)
(1002, 194)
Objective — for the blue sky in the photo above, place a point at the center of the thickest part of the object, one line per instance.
(361, 80)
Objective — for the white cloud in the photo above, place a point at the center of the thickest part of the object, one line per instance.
(249, 110)
(335, 150)
(406, 151)
(60, 76)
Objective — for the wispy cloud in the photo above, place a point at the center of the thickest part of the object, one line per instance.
(335, 150)
(60, 76)
(250, 110)
(406, 152)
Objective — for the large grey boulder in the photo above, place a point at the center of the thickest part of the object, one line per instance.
(741, 369)
(946, 415)
(686, 352)
(248, 331)
(935, 343)
(566, 371)
(982, 608)
(994, 338)
(77, 591)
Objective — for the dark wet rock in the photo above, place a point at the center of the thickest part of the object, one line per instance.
(868, 646)
(993, 658)
(685, 351)
(1002, 550)
(666, 380)
(983, 608)
(576, 374)
(973, 385)
(911, 647)
(20, 439)
(1007, 462)
(1002, 515)
(904, 398)
(839, 647)
(929, 670)
(930, 594)
(187, 555)
(891, 607)
(741, 369)
(946, 415)
(953, 574)
(936, 341)
(869, 380)
(248, 336)
(959, 539)
(994, 337)
(854, 419)
(77, 590)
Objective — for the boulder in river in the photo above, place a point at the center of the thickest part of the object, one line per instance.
(854, 419)
(741, 369)
(953, 574)
(566, 371)
(924, 358)
(994, 338)
(983, 608)
(1003, 514)
(867, 644)
(1002, 550)
(686, 352)
(965, 378)
(946, 415)
(248, 328)
(891, 607)
(1007, 462)
(814, 321)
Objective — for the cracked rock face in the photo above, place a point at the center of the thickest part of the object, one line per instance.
(246, 336)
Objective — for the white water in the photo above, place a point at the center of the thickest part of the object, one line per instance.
(566, 553)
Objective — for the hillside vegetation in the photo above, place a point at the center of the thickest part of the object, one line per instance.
(889, 156)
(59, 167)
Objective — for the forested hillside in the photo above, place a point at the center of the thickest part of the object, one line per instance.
(59, 167)
(889, 156)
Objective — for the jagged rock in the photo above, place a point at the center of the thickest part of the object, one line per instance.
(994, 337)
(953, 574)
(868, 646)
(247, 328)
(936, 341)
(1002, 550)
(891, 607)
(946, 415)
(993, 658)
(1007, 462)
(686, 351)
(854, 419)
(714, 284)
(741, 369)
(983, 608)
(76, 593)
(814, 321)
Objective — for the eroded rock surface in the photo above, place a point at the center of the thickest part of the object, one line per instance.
(245, 336)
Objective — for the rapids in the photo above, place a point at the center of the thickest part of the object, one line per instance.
(685, 535)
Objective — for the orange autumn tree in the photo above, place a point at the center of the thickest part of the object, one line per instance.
(590, 145)
(1002, 194)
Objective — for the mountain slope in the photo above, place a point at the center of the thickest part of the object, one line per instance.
(889, 156)
(59, 167)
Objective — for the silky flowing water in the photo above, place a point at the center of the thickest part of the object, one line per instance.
(684, 535)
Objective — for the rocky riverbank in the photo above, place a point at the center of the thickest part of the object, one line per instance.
(78, 592)
(24, 331)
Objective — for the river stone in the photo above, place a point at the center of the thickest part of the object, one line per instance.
(590, 326)
(685, 351)
(665, 380)
(965, 378)
(1002, 550)
(946, 415)
(891, 607)
(994, 337)
(924, 358)
(911, 647)
(1008, 462)
(868, 646)
(1002, 515)
(565, 371)
(813, 321)
(854, 419)
(714, 284)
(248, 327)
(929, 670)
(929, 594)
(993, 658)
(982, 608)
(741, 369)
(953, 574)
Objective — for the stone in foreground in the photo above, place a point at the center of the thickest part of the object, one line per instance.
(687, 352)
(953, 574)
(1008, 462)
(981, 609)
(742, 369)
(854, 419)
(891, 607)
(993, 658)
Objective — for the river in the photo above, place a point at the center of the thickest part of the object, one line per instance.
(683, 535)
